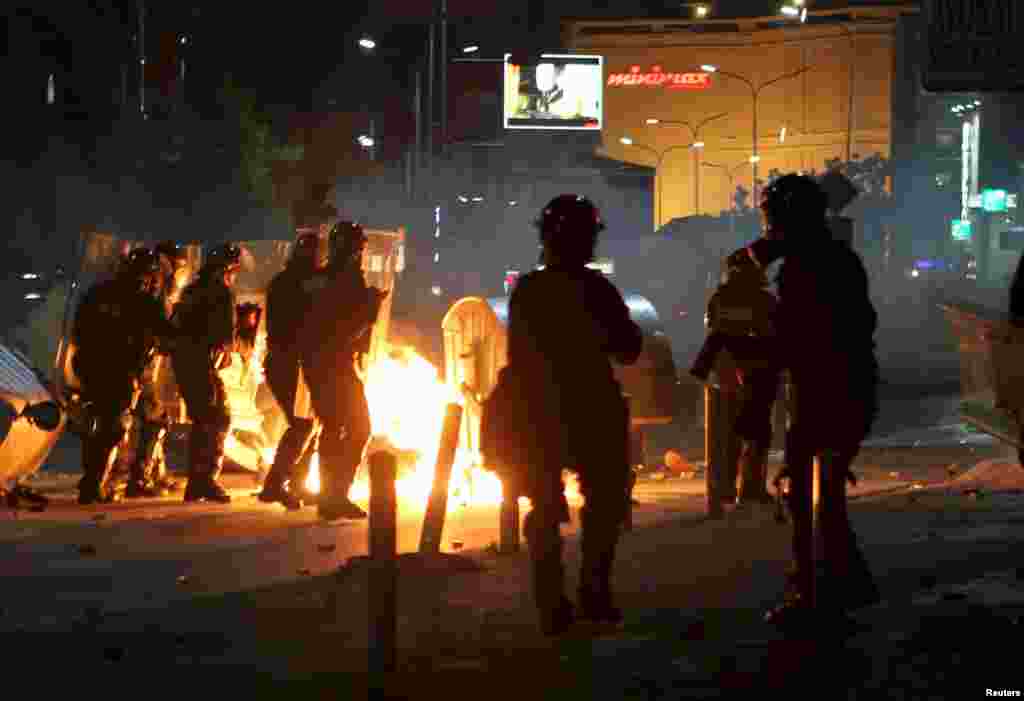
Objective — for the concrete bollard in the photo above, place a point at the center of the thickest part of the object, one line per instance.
(712, 453)
(508, 542)
(383, 574)
(437, 507)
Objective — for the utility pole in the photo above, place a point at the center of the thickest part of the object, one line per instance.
(142, 58)
(444, 77)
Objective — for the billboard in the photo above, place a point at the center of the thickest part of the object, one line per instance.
(559, 92)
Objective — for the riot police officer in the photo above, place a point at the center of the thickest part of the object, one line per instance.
(335, 336)
(205, 317)
(123, 308)
(741, 318)
(565, 323)
(826, 326)
(287, 305)
(148, 475)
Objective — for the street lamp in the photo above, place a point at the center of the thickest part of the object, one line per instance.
(367, 43)
(470, 49)
(755, 92)
(696, 146)
(660, 156)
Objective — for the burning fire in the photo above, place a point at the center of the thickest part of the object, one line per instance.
(407, 401)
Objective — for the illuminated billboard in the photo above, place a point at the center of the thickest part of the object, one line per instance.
(559, 92)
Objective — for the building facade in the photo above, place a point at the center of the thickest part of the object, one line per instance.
(823, 91)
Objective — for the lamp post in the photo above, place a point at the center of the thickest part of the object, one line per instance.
(696, 146)
(755, 92)
(660, 156)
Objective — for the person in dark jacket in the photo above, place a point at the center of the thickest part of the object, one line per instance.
(335, 336)
(826, 327)
(287, 305)
(125, 309)
(205, 317)
(148, 473)
(741, 319)
(565, 324)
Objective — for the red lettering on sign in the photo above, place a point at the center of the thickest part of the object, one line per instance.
(657, 78)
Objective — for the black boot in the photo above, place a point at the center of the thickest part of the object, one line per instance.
(597, 559)
(274, 492)
(555, 611)
(99, 454)
(207, 461)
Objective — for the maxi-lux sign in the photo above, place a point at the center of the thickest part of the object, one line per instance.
(973, 45)
(658, 78)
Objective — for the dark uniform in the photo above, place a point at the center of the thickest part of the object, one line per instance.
(124, 309)
(565, 322)
(205, 317)
(287, 305)
(149, 476)
(336, 332)
(826, 327)
(741, 319)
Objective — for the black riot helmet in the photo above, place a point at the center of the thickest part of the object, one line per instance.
(225, 257)
(142, 267)
(306, 253)
(794, 207)
(347, 241)
(172, 252)
(742, 269)
(569, 226)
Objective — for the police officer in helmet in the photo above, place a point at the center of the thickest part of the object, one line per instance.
(565, 324)
(741, 318)
(205, 317)
(826, 327)
(288, 302)
(149, 477)
(123, 308)
(335, 337)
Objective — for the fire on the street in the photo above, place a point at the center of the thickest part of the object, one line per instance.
(407, 401)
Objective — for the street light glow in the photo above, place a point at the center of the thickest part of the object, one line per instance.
(33, 295)
(708, 68)
(470, 49)
(626, 141)
(367, 43)
(365, 141)
(697, 144)
(701, 11)
(782, 135)
(755, 159)
(30, 276)
(653, 121)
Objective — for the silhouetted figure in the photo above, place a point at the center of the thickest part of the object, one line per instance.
(117, 328)
(148, 473)
(741, 319)
(335, 336)
(288, 303)
(826, 327)
(206, 319)
(565, 322)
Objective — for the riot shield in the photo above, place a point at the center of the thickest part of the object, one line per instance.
(98, 256)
